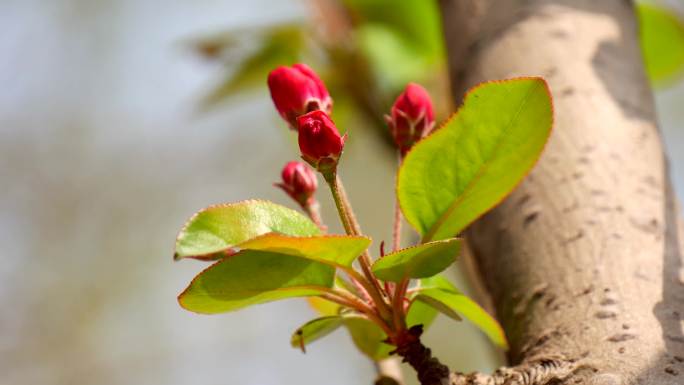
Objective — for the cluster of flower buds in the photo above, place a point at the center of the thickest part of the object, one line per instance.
(411, 118)
(299, 182)
(303, 101)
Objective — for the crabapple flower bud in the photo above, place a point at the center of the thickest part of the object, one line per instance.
(412, 117)
(297, 90)
(299, 182)
(319, 141)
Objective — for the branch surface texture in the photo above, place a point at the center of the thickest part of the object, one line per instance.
(583, 262)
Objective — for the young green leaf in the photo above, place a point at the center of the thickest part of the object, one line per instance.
(444, 297)
(437, 305)
(420, 261)
(420, 313)
(661, 33)
(252, 277)
(335, 250)
(367, 337)
(216, 229)
(476, 158)
(313, 330)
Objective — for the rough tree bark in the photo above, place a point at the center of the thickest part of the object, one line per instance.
(583, 261)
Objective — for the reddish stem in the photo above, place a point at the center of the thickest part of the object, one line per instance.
(362, 308)
(351, 227)
(396, 229)
(398, 304)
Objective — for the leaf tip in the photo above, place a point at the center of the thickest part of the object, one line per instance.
(181, 299)
(300, 339)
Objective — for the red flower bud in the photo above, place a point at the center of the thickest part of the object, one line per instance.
(319, 141)
(412, 117)
(297, 90)
(299, 182)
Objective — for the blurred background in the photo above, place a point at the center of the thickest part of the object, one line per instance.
(121, 118)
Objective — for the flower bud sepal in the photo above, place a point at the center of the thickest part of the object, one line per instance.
(327, 166)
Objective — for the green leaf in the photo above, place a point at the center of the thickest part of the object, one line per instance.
(476, 158)
(437, 305)
(436, 282)
(367, 337)
(420, 261)
(313, 330)
(661, 34)
(420, 313)
(252, 277)
(212, 232)
(335, 250)
(444, 297)
(280, 45)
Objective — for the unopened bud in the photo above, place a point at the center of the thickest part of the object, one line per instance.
(320, 141)
(412, 117)
(299, 182)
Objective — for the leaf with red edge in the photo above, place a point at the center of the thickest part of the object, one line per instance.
(420, 261)
(251, 277)
(476, 158)
(212, 233)
(335, 250)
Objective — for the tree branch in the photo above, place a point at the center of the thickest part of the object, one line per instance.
(543, 371)
(583, 260)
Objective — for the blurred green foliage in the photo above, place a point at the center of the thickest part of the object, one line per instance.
(401, 39)
(276, 45)
(387, 44)
(662, 43)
